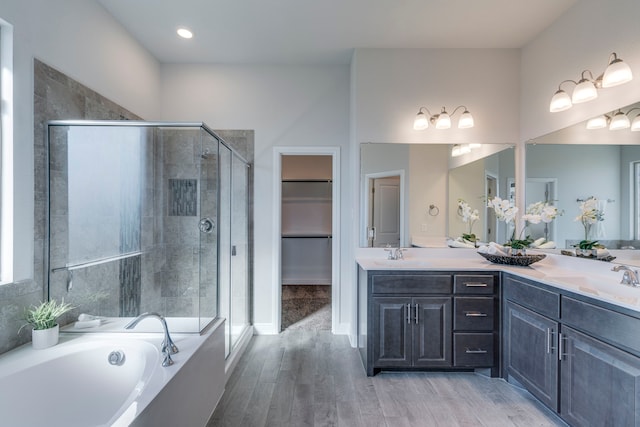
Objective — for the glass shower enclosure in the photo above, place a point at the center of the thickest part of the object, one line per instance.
(148, 217)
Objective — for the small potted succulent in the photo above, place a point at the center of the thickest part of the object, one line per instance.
(43, 318)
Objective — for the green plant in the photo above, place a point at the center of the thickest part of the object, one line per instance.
(519, 243)
(588, 244)
(45, 315)
(469, 237)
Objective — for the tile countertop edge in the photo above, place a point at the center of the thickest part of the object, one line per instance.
(560, 271)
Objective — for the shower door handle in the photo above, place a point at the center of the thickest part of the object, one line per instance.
(207, 225)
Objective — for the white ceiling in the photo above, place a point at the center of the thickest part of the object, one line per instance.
(326, 31)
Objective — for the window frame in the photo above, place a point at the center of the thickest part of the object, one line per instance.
(6, 153)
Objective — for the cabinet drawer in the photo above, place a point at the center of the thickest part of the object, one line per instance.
(473, 284)
(473, 314)
(473, 349)
(540, 300)
(616, 328)
(411, 284)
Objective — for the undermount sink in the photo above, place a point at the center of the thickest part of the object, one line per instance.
(604, 287)
(402, 263)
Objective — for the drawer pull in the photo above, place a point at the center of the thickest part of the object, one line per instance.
(475, 285)
(478, 351)
(474, 314)
(561, 345)
(550, 346)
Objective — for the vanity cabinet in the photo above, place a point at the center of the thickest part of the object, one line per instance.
(577, 355)
(530, 334)
(530, 357)
(427, 320)
(600, 383)
(412, 331)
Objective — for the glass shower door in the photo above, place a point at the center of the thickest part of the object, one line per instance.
(234, 247)
(209, 229)
(239, 250)
(224, 258)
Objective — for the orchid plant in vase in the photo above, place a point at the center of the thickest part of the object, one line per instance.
(534, 214)
(469, 216)
(589, 215)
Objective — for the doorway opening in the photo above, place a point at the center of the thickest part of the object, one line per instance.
(306, 241)
(383, 197)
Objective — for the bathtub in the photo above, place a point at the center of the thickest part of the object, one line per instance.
(73, 383)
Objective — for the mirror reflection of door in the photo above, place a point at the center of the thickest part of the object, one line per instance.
(491, 222)
(384, 212)
(541, 190)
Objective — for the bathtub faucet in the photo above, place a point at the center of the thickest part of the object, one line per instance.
(168, 347)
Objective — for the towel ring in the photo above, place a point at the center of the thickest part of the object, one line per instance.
(433, 210)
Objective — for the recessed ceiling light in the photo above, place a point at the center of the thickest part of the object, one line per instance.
(184, 33)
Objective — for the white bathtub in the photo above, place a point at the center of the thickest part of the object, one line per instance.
(73, 383)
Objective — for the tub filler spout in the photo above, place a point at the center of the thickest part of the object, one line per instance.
(168, 347)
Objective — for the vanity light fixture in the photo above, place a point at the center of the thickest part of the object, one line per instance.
(635, 124)
(616, 121)
(616, 73)
(598, 122)
(460, 149)
(443, 119)
(619, 121)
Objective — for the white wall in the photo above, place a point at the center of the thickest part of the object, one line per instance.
(391, 84)
(286, 106)
(580, 39)
(83, 41)
(428, 186)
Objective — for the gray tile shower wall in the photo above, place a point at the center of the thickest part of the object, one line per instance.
(56, 96)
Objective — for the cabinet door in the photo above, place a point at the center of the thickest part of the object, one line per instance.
(391, 332)
(530, 355)
(600, 385)
(432, 338)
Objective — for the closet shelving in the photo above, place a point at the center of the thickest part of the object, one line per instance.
(306, 230)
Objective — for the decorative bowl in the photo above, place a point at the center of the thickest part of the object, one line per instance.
(519, 260)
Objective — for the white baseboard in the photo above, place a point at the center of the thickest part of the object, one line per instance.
(265, 329)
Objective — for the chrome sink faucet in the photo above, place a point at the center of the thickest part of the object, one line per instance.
(630, 276)
(395, 253)
(167, 347)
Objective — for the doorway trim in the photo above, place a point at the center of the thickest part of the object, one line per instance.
(366, 200)
(278, 152)
(494, 225)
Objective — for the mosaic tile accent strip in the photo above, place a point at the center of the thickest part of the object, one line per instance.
(130, 286)
(183, 197)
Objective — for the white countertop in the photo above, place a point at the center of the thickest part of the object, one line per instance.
(587, 277)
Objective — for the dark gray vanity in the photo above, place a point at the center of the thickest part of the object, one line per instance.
(417, 320)
(578, 355)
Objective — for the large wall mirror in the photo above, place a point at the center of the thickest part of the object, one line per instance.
(418, 186)
(576, 163)
(409, 192)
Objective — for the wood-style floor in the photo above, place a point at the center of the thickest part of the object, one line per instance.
(314, 378)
